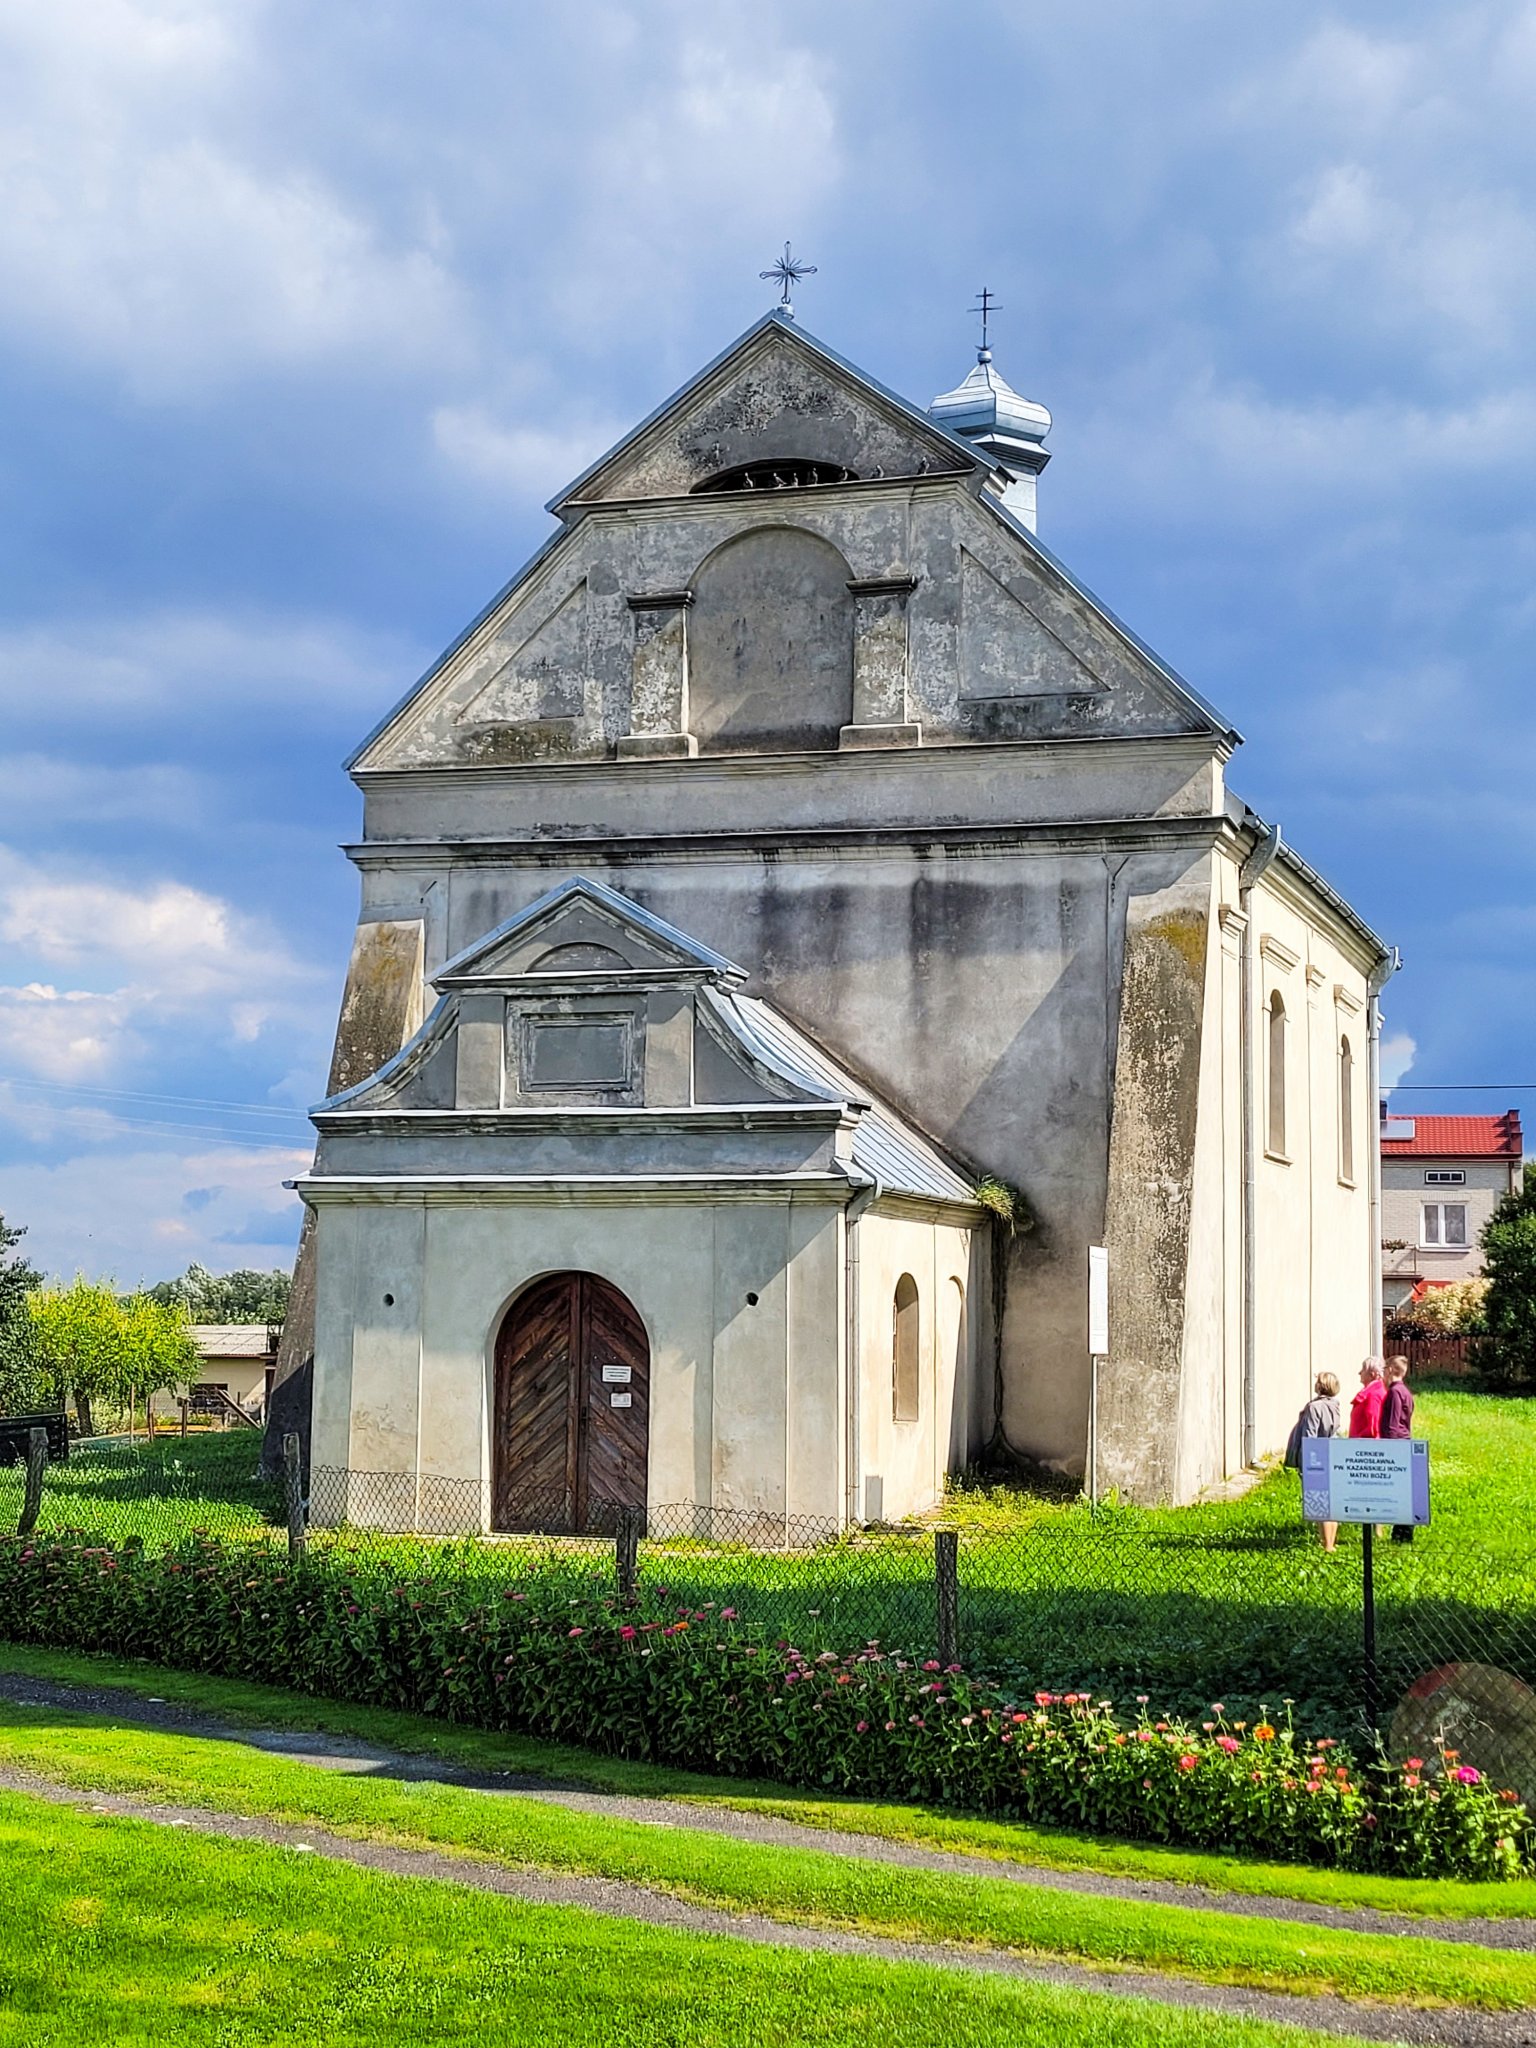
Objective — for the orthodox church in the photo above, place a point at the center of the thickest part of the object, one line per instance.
(798, 921)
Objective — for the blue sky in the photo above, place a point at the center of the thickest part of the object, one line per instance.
(305, 310)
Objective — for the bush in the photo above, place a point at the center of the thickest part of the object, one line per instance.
(690, 1687)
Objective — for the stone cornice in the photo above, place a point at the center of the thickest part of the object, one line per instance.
(1090, 835)
(593, 1190)
(584, 1121)
(729, 768)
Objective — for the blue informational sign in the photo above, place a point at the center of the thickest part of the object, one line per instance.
(1365, 1479)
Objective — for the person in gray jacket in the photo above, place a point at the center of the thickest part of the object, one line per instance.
(1320, 1417)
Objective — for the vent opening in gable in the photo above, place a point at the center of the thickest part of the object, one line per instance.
(788, 475)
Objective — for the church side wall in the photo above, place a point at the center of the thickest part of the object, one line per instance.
(1311, 1223)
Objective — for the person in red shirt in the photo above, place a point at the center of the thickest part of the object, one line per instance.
(1365, 1408)
(1397, 1421)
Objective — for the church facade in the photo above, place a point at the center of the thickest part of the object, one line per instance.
(797, 922)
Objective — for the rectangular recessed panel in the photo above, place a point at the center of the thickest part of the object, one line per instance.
(578, 1054)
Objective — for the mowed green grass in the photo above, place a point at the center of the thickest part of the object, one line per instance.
(119, 1931)
(1230, 1600)
(243, 1703)
(793, 1885)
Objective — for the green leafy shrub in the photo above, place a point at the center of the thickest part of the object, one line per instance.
(689, 1686)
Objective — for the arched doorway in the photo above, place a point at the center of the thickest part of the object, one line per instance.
(571, 1423)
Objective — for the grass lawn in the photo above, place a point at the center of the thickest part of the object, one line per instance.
(120, 1931)
(243, 1703)
(1232, 1600)
(798, 1886)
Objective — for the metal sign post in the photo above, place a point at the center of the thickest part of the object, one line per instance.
(1098, 1351)
(1366, 1480)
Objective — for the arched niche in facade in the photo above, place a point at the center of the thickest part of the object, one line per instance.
(770, 645)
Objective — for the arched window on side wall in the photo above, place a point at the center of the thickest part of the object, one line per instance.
(1346, 1111)
(905, 1350)
(1275, 1136)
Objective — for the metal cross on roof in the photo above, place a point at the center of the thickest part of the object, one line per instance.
(986, 306)
(787, 273)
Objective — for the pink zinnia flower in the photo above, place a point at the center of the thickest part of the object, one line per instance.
(1467, 1776)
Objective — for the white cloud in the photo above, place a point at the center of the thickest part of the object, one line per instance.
(1397, 1053)
(141, 232)
(129, 1215)
(161, 955)
(518, 460)
(200, 664)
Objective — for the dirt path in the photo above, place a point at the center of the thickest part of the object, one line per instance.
(338, 1753)
(1440, 2028)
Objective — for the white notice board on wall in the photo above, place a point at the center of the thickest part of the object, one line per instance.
(1098, 1301)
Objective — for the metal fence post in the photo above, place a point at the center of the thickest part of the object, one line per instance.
(1368, 1617)
(627, 1553)
(293, 1493)
(37, 1459)
(946, 1573)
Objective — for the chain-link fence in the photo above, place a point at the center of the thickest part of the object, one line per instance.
(1258, 1618)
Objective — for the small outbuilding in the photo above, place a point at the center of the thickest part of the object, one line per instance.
(608, 1232)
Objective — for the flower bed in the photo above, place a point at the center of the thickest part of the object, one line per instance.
(691, 1687)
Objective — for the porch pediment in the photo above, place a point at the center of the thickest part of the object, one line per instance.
(589, 1034)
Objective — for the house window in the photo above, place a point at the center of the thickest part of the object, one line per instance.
(904, 1351)
(1436, 1177)
(1445, 1226)
(1275, 1140)
(1346, 1112)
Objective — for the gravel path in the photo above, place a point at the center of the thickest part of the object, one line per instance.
(1438, 2028)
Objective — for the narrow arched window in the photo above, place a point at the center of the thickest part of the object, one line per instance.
(1346, 1111)
(905, 1350)
(1275, 1140)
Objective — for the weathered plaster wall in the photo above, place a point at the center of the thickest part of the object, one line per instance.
(901, 1465)
(1151, 1182)
(995, 645)
(381, 1005)
(746, 1397)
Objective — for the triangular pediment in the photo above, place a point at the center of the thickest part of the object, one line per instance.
(776, 395)
(543, 676)
(580, 929)
(1007, 650)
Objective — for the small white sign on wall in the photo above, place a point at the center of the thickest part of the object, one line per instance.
(1098, 1301)
(619, 1400)
(616, 1375)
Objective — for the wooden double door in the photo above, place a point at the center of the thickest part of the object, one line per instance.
(572, 1407)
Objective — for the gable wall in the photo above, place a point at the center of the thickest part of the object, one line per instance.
(989, 644)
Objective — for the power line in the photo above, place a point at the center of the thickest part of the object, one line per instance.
(169, 1101)
(1458, 1087)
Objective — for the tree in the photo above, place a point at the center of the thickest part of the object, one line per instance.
(243, 1297)
(1509, 1260)
(94, 1347)
(20, 1371)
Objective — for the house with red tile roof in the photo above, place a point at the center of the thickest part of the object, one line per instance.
(1440, 1179)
